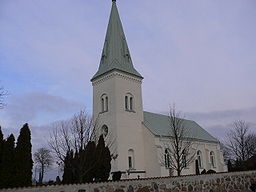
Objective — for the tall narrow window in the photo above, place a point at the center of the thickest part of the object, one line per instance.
(184, 158)
(131, 159)
(131, 107)
(167, 158)
(129, 102)
(212, 159)
(199, 158)
(130, 162)
(126, 102)
(104, 103)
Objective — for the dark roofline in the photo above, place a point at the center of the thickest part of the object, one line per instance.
(98, 76)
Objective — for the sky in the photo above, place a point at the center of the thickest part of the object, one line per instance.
(200, 55)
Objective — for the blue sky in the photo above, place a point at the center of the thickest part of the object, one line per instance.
(197, 54)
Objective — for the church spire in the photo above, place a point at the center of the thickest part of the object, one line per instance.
(115, 53)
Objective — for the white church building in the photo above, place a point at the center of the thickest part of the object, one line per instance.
(137, 137)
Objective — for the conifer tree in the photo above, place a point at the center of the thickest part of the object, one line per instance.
(103, 165)
(68, 168)
(90, 162)
(23, 153)
(8, 171)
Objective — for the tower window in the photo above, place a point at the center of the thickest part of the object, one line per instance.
(130, 162)
(129, 102)
(126, 103)
(131, 159)
(131, 107)
(104, 103)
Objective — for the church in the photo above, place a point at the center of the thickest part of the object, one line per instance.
(137, 138)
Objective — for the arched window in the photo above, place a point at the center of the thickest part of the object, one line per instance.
(131, 159)
(212, 159)
(199, 158)
(104, 130)
(167, 158)
(129, 102)
(104, 103)
(126, 102)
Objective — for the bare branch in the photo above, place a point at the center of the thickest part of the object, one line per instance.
(43, 159)
(74, 134)
(3, 93)
(177, 148)
(241, 143)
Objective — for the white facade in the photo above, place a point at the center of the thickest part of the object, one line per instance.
(118, 110)
(124, 123)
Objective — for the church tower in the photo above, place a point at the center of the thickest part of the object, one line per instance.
(117, 101)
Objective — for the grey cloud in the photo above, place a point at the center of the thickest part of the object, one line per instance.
(218, 123)
(221, 131)
(32, 106)
(235, 114)
(40, 135)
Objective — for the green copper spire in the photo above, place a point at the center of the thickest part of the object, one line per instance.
(115, 53)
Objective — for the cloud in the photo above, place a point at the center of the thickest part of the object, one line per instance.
(40, 135)
(218, 123)
(220, 131)
(38, 108)
(199, 55)
(247, 114)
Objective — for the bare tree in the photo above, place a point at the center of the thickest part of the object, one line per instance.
(251, 144)
(177, 149)
(44, 160)
(72, 134)
(241, 143)
(2, 94)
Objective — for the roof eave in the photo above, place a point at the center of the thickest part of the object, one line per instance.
(100, 75)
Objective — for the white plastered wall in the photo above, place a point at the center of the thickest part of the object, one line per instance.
(204, 146)
(124, 126)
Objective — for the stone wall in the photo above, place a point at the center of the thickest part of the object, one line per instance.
(220, 182)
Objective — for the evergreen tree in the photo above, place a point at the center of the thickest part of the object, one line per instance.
(90, 162)
(24, 162)
(106, 165)
(68, 168)
(8, 171)
(103, 165)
